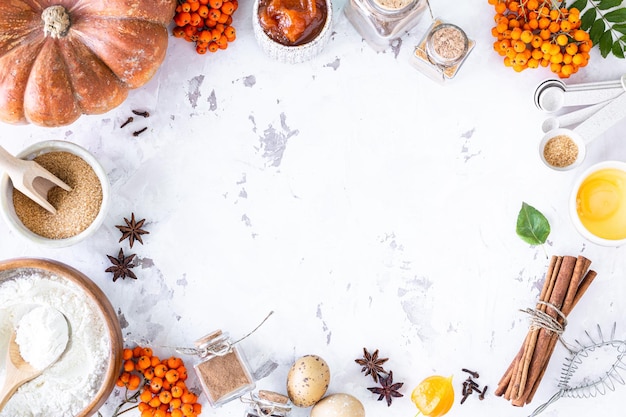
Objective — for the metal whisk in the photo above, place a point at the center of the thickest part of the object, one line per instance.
(591, 387)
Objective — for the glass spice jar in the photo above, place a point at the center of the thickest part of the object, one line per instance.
(381, 21)
(224, 372)
(267, 404)
(442, 51)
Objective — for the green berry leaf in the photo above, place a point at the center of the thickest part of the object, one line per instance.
(616, 16)
(621, 28)
(606, 43)
(587, 19)
(608, 4)
(532, 225)
(579, 4)
(596, 31)
(617, 49)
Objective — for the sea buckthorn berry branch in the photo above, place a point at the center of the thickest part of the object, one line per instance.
(206, 23)
(159, 385)
(540, 33)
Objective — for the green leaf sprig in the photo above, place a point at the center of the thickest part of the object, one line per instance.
(532, 225)
(605, 20)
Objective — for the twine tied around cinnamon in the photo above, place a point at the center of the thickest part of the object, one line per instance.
(539, 319)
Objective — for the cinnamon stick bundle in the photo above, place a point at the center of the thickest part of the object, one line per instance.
(566, 281)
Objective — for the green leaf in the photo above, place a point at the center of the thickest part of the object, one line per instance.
(596, 31)
(618, 50)
(606, 43)
(608, 4)
(620, 27)
(587, 19)
(532, 226)
(616, 16)
(579, 4)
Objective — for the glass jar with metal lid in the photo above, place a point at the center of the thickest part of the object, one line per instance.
(381, 21)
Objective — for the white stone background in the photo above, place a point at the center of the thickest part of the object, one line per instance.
(366, 205)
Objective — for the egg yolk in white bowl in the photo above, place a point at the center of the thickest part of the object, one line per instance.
(601, 203)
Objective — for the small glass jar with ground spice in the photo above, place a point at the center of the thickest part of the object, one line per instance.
(267, 404)
(442, 51)
(380, 22)
(224, 372)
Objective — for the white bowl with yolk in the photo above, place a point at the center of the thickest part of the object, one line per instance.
(598, 203)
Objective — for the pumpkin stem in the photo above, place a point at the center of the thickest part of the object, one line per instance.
(56, 21)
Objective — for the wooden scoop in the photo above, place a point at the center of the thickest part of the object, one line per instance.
(31, 179)
(18, 372)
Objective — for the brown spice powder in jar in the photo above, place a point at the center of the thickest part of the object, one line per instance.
(560, 151)
(222, 375)
(449, 43)
(76, 209)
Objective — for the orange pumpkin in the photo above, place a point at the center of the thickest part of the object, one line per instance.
(63, 58)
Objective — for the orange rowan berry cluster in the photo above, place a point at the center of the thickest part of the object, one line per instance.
(534, 33)
(164, 392)
(207, 23)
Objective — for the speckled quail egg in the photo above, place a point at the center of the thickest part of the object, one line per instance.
(338, 405)
(307, 380)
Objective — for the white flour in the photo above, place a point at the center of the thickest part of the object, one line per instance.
(69, 385)
(42, 335)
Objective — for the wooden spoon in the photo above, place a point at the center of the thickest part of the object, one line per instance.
(31, 179)
(18, 372)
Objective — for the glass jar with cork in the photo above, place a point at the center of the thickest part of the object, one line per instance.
(267, 404)
(381, 21)
(442, 51)
(224, 372)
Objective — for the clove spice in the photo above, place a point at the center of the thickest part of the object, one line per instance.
(470, 386)
(140, 131)
(141, 113)
(129, 120)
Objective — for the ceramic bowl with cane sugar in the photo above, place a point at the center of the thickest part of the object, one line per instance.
(80, 212)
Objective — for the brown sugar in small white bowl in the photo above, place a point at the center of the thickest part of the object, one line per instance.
(84, 289)
(297, 53)
(8, 209)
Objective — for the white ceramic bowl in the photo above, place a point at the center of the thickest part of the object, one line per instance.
(89, 293)
(572, 134)
(6, 193)
(292, 54)
(573, 203)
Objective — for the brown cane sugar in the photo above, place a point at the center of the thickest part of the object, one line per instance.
(75, 209)
(560, 151)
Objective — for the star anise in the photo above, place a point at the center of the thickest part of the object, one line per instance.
(133, 230)
(372, 365)
(121, 266)
(387, 389)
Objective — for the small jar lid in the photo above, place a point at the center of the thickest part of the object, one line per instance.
(447, 44)
(216, 343)
(393, 7)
